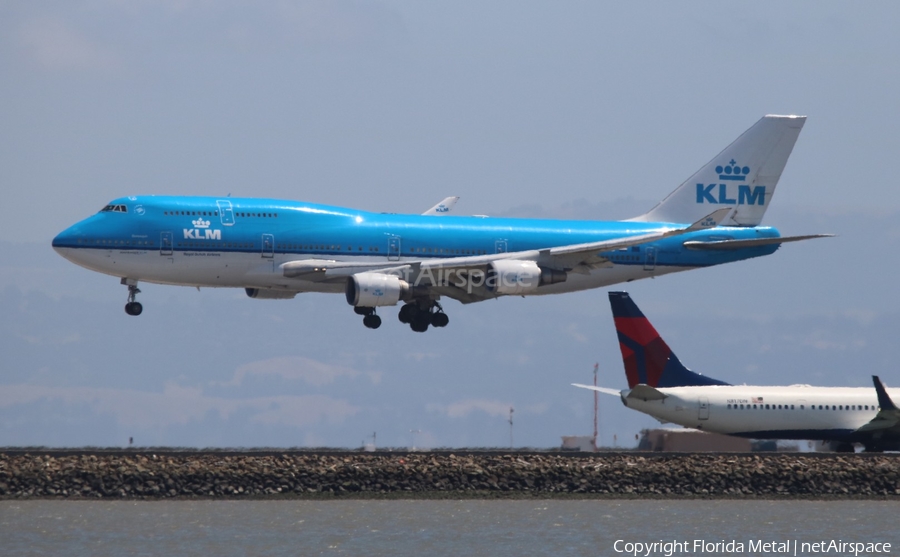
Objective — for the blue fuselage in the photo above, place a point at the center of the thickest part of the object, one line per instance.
(233, 242)
(296, 228)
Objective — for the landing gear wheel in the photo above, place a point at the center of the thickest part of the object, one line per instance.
(422, 313)
(133, 308)
(372, 321)
(407, 313)
(439, 319)
(420, 322)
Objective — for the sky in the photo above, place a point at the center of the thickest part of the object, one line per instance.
(584, 110)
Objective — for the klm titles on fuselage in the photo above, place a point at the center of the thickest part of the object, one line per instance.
(718, 194)
(201, 231)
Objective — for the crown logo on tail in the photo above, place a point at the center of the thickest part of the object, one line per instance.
(732, 171)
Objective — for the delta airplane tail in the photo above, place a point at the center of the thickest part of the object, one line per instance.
(743, 176)
(648, 359)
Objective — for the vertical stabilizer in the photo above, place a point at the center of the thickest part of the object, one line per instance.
(884, 401)
(648, 359)
(442, 208)
(743, 176)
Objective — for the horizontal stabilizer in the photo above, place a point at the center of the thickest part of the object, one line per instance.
(603, 390)
(722, 245)
(646, 392)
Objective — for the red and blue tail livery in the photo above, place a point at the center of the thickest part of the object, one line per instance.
(648, 359)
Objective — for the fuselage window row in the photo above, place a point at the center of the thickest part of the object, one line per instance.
(764, 407)
(191, 213)
(802, 407)
(215, 214)
(104, 242)
(303, 247)
(203, 245)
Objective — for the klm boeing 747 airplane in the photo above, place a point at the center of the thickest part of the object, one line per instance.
(277, 249)
(659, 385)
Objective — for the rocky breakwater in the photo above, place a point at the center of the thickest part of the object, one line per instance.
(308, 475)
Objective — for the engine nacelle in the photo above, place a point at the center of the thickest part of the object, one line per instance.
(513, 277)
(375, 289)
(509, 276)
(269, 294)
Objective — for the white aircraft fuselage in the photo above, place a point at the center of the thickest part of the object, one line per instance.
(660, 385)
(792, 412)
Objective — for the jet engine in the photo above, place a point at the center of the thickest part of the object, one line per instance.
(512, 277)
(269, 294)
(375, 289)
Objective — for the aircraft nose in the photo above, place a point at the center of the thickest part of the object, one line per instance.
(68, 238)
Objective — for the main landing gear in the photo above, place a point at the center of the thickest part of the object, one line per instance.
(420, 314)
(370, 320)
(132, 307)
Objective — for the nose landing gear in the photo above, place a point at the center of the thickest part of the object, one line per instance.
(132, 307)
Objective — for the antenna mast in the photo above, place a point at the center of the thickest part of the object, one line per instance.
(596, 408)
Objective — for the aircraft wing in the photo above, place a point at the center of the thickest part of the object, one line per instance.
(575, 258)
(603, 390)
(888, 418)
(441, 274)
(722, 245)
(442, 208)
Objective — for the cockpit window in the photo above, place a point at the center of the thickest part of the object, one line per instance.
(114, 209)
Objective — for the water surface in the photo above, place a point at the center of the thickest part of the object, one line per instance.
(496, 528)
